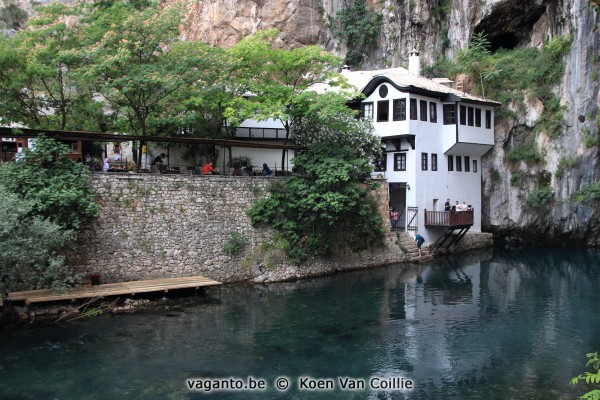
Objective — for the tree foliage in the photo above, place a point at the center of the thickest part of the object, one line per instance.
(30, 246)
(56, 185)
(324, 200)
(358, 28)
(38, 78)
(591, 379)
(281, 82)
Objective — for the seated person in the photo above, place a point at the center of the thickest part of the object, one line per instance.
(266, 171)
(158, 162)
(207, 169)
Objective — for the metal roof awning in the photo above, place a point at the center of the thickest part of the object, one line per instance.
(110, 137)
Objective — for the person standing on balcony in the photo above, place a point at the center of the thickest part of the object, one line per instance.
(420, 240)
(447, 206)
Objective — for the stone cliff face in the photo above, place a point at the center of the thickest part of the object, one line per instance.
(440, 28)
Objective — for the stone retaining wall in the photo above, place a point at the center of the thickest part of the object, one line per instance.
(155, 226)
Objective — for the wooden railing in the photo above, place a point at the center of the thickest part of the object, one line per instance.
(448, 218)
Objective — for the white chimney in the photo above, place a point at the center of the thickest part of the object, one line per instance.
(414, 63)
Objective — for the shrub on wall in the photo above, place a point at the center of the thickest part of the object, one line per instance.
(539, 197)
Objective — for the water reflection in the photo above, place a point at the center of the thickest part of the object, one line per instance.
(515, 325)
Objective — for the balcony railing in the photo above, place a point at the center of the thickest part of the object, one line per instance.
(449, 218)
(261, 133)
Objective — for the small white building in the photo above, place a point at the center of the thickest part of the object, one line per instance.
(434, 139)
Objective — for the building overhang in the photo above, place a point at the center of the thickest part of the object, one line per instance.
(468, 149)
(396, 139)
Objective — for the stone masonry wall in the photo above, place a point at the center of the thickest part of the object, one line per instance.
(154, 226)
(158, 226)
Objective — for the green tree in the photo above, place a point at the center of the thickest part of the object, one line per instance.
(56, 185)
(30, 247)
(135, 60)
(282, 81)
(38, 80)
(326, 196)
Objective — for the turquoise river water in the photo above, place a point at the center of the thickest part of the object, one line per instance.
(507, 325)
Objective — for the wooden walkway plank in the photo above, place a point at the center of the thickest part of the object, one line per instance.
(114, 289)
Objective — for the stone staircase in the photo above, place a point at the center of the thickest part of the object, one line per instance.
(407, 242)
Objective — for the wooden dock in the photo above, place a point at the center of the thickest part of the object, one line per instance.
(114, 289)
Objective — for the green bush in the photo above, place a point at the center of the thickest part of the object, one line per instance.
(326, 201)
(590, 378)
(235, 244)
(588, 193)
(589, 140)
(515, 179)
(539, 197)
(57, 186)
(30, 247)
(358, 28)
(564, 164)
(527, 153)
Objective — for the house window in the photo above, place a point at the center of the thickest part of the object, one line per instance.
(470, 116)
(380, 163)
(383, 111)
(458, 163)
(399, 109)
(478, 117)
(488, 119)
(400, 162)
(423, 110)
(449, 114)
(474, 165)
(424, 161)
(413, 108)
(366, 110)
(433, 162)
(450, 163)
(463, 115)
(467, 164)
(432, 112)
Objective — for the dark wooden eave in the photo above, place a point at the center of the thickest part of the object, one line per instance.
(110, 137)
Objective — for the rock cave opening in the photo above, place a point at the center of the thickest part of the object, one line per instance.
(510, 24)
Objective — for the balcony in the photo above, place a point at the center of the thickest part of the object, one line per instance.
(449, 218)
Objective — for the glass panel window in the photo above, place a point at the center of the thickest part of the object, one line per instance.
(400, 162)
(399, 109)
(474, 165)
(423, 110)
(449, 114)
(470, 116)
(478, 117)
(424, 161)
(450, 163)
(467, 164)
(432, 112)
(366, 110)
(383, 111)
(413, 108)
(488, 119)
(458, 163)
(463, 115)
(434, 162)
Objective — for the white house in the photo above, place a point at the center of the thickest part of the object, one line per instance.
(434, 139)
